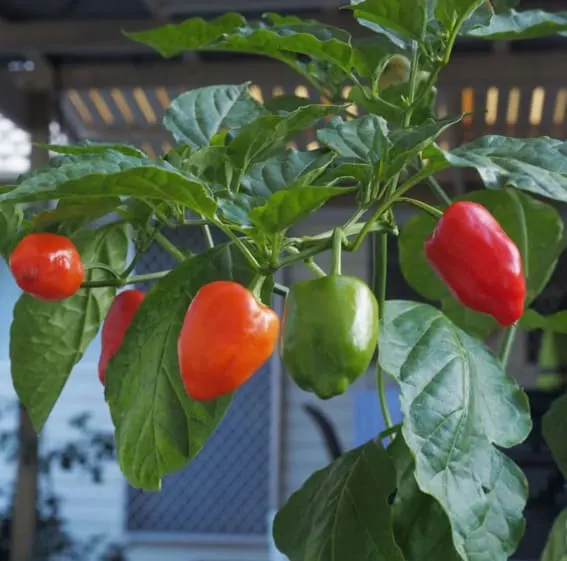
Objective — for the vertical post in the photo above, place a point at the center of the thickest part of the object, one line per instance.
(24, 512)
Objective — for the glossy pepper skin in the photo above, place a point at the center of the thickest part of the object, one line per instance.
(329, 333)
(47, 266)
(227, 335)
(118, 319)
(480, 264)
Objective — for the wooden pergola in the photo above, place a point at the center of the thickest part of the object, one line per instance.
(101, 86)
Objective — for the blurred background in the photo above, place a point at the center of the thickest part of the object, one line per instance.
(67, 74)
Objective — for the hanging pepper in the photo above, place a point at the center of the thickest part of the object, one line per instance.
(480, 264)
(329, 331)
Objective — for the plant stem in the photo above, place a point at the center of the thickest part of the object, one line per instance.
(314, 267)
(431, 210)
(102, 267)
(208, 236)
(410, 183)
(256, 286)
(117, 282)
(169, 247)
(241, 246)
(379, 282)
(390, 432)
(507, 344)
(443, 198)
(337, 251)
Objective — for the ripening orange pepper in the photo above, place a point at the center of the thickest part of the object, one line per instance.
(227, 335)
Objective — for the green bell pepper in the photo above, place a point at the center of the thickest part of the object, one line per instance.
(329, 333)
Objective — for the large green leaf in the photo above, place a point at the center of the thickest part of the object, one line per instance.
(275, 37)
(112, 174)
(48, 338)
(537, 165)
(159, 429)
(421, 528)
(196, 116)
(556, 546)
(341, 513)
(279, 172)
(270, 133)
(458, 406)
(398, 20)
(284, 208)
(11, 217)
(409, 142)
(86, 147)
(529, 24)
(450, 12)
(363, 139)
(554, 427)
(194, 33)
(512, 209)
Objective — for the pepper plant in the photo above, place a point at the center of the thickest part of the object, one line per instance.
(440, 484)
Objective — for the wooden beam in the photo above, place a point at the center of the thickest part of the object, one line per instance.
(105, 37)
(12, 100)
(474, 70)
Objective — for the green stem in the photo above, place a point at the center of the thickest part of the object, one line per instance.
(431, 210)
(256, 286)
(169, 247)
(337, 252)
(118, 282)
(379, 282)
(390, 432)
(404, 188)
(103, 267)
(439, 192)
(208, 236)
(241, 246)
(507, 344)
(414, 72)
(310, 264)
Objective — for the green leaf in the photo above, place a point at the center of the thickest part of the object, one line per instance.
(237, 208)
(557, 323)
(159, 429)
(554, 425)
(450, 12)
(195, 117)
(556, 546)
(409, 142)
(173, 39)
(529, 24)
(286, 103)
(458, 405)
(72, 214)
(11, 217)
(545, 242)
(536, 165)
(112, 174)
(274, 37)
(86, 147)
(398, 20)
(279, 172)
(269, 134)
(48, 338)
(341, 513)
(284, 208)
(363, 139)
(421, 528)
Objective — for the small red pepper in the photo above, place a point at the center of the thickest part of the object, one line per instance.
(117, 321)
(480, 264)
